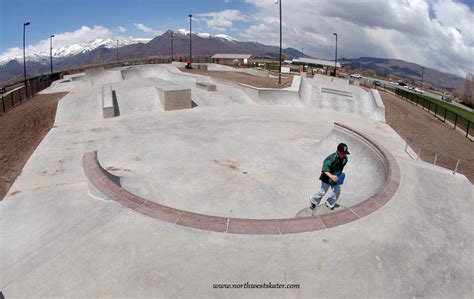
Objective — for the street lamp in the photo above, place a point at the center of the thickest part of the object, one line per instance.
(190, 40)
(335, 60)
(51, 51)
(279, 68)
(171, 36)
(117, 54)
(422, 75)
(24, 57)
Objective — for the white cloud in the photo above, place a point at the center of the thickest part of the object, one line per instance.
(121, 29)
(148, 29)
(388, 29)
(222, 20)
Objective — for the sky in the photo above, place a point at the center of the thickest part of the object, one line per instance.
(433, 33)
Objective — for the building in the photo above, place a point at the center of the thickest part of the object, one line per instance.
(316, 63)
(232, 59)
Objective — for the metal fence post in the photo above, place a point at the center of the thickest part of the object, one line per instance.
(3, 105)
(435, 158)
(456, 169)
(467, 130)
(436, 109)
(11, 96)
(445, 111)
(418, 154)
(455, 121)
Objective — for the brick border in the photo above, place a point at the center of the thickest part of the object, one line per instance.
(108, 186)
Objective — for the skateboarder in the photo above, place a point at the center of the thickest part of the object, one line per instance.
(332, 168)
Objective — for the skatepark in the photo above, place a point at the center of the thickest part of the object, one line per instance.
(156, 182)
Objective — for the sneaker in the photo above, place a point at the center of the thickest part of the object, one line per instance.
(312, 206)
(334, 206)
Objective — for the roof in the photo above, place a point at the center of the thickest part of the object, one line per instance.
(316, 61)
(232, 56)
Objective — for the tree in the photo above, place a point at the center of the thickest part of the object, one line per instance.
(369, 72)
(468, 90)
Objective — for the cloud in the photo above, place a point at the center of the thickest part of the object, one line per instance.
(80, 36)
(148, 29)
(222, 20)
(435, 33)
(121, 29)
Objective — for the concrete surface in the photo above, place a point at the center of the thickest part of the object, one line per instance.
(58, 240)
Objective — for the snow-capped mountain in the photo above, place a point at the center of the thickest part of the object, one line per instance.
(75, 49)
(104, 51)
(226, 37)
(185, 32)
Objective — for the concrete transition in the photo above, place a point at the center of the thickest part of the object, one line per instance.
(194, 198)
(101, 182)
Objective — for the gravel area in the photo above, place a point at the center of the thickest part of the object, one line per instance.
(420, 128)
(245, 78)
(22, 129)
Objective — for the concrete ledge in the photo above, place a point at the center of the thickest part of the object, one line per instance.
(174, 97)
(202, 67)
(108, 109)
(109, 187)
(206, 86)
(379, 113)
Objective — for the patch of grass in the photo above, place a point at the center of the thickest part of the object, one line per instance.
(464, 115)
(455, 109)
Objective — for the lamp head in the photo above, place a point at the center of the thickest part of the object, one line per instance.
(26, 24)
(52, 35)
(190, 16)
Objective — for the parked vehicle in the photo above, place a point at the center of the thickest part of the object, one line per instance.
(355, 76)
(447, 99)
(419, 90)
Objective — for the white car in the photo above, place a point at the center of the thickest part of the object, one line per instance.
(419, 90)
(355, 76)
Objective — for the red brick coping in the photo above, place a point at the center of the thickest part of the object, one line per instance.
(106, 184)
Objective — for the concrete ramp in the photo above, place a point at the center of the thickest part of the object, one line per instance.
(157, 71)
(367, 169)
(140, 99)
(337, 95)
(100, 76)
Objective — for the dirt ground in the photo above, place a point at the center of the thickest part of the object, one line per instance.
(244, 78)
(420, 128)
(21, 130)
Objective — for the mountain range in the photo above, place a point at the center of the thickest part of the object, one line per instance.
(101, 51)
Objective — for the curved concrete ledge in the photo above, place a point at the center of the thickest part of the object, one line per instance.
(108, 186)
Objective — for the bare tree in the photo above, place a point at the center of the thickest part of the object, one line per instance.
(469, 90)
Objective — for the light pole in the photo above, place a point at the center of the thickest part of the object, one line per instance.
(51, 51)
(24, 57)
(335, 59)
(117, 54)
(422, 75)
(302, 53)
(171, 36)
(279, 68)
(190, 40)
